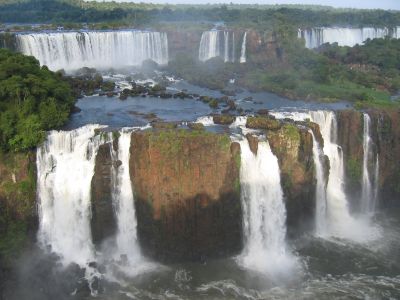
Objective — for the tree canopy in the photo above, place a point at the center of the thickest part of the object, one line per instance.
(32, 100)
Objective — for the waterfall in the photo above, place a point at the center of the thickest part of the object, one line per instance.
(217, 43)
(65, 167)
(320, 191)
(338, 216)
(315, 37)
(96, 49)
(243, 50)
(226, 46)
(368, 191)
(122, 194)
(264, 212)
(366, 187)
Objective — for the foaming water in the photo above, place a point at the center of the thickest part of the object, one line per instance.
(217, 43)
(315, 37)
(340, 223)
(96, 49)
(264, 213)
(320, 190)
(65, 164)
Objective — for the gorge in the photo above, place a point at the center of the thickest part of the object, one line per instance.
(230, 155)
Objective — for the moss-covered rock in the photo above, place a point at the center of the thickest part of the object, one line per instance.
(293, 147)
(103, 223)
(196, 126)
(263, 122)
(187, 194)
(350, 138)
(17, 204)
(223, 119)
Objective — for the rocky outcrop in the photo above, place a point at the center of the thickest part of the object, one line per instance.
(187, 194)
(264, 122)
(293, 147)
(103, 223)
(386, 135)
(18, 222)
(350, 138)
(181, 41)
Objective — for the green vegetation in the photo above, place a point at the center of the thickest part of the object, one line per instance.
(366, 75)
(112, 14)
(354, 170)
(32, 100)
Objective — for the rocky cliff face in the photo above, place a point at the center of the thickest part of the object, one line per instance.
(293, 147)
(386, 134)
(350, 138)
(103, 223)
(187, 194)
(17, 207)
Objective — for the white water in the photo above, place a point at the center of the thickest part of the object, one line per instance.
(368, 190)
(243, 50)
(264, 212)
(96, 49)
(340, 223)
(315, 37)
(320, 190)
(366, 187)
(65, 166)
(123, 200)
(217, 43)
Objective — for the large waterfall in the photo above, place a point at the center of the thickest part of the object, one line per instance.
(320, 192)
(264, 212)
(217, 43)
(65, 166)
(96, 49)
(315, 37)
(243, 50)
(122, 194)
(369, 185)
(338, 215)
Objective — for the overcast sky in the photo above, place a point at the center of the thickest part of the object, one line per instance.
(383, 4)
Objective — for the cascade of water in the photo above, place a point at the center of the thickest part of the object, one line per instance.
(366, 186)
(320, 192)
(65, 166)
(264, 213)
(96, 49)
(243, 50)
(338, 215)
(123, 200)
(315, 37)
(226, 46)
(217, 43)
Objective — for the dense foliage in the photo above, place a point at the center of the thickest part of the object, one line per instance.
(32, 100)
(258, 16)
(366, 75)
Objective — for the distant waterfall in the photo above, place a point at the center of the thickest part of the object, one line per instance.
(320, 192)
(122, 194)
(315, 37)
(65, 164)
(264, 212)
(96, 49)
(217, 43)
(243, 50)
(368, 191)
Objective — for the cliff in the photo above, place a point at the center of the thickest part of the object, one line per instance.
(187, 194)
(17, 207)
(293, 147)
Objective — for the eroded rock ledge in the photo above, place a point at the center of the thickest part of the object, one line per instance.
(187, 194)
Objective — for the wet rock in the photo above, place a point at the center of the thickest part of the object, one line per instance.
(223, 119)
(196, 126)
(253, 143)
(268, 123)
(187, 194)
